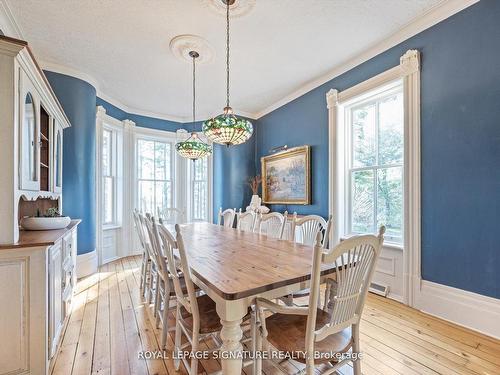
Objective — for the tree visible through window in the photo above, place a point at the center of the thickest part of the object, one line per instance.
(154, 175)
(108, 178)
(375, 164)
(199, 189)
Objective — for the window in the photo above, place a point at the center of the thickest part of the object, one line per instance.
(155, 164)
(374, 158)
(110, 155)
(199, 189)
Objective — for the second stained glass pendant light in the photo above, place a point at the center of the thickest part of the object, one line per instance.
(193, 148)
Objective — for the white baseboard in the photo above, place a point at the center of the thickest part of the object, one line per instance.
(467, 309)
(86, 264)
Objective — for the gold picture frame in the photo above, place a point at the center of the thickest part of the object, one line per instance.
(286, 177)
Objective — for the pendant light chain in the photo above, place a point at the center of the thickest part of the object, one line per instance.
(227, 128)
(194, 89)
(227, 54)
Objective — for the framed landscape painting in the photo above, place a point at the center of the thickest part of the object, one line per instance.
(286, 177)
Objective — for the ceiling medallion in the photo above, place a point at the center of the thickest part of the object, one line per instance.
(238, 8)
(182, 45)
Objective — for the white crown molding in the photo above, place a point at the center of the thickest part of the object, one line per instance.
(8, 23)
(433, 16)
(430, 18)
(62, 69)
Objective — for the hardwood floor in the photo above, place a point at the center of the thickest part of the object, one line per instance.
(110, 325)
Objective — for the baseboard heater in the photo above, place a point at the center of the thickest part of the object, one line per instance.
(380, 289)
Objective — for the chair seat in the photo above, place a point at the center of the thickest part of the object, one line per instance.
(183, 286)
(209, 319)
(287, 333)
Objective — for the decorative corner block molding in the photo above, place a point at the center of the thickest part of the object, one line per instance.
(410, 62)
(332, 98)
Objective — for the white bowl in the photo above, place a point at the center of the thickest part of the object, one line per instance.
(45, 223)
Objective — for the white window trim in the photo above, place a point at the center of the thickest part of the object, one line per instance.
(409, 72)
(158, 136)
(370, 97)
(189, 208)
(117, 170)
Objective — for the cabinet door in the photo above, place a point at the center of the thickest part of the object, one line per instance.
(56, 316)
(57, 158)
(29, 130)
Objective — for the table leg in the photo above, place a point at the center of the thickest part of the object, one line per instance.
(231, 348)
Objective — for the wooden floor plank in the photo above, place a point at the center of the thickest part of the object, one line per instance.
(67, 350)
(85, 350)
(111, 323)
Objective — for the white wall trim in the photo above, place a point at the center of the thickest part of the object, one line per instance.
(408, 71)
(432, 17)
(86, 264)
(470, 310)
(62, 69)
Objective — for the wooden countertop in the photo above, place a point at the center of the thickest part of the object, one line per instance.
(40, 238)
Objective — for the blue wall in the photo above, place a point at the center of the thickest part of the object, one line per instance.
(460, 144)
(78, 99)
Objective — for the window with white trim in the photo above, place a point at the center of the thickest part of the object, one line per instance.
(110, 161)
(199, 191)
(375, 163)
(155, 168)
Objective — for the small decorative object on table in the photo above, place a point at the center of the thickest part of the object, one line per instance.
(255, 203)
(50, 220)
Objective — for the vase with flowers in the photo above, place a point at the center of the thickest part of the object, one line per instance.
(255, 204)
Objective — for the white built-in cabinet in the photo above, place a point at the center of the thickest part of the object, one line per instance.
(37, 269)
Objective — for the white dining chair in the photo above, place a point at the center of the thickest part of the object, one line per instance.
(146, 260)
(226, 217)
(196, 316)
(170, 215)
(289, 231)
(306, 228)
(310, 331)
(150, 272)
(272, 224)
(245, 221)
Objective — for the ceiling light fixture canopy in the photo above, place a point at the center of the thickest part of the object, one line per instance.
(193, 148)
(228, 129)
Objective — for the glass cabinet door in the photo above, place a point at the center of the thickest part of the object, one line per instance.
(29, 144)
(58, 150)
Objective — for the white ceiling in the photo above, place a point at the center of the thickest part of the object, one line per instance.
(279, 46)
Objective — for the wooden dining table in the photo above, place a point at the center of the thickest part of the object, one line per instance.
(234, 267)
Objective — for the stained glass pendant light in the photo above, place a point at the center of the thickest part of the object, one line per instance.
(228, 129)
(193, 148)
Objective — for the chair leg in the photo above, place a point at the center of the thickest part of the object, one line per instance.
(157, 295)
(253, 335)
(164, 329)
(258, 345)
(194, 347)
(149, 295)
(177, 343)
(143, 267)
(161, 299)
(356, 365)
